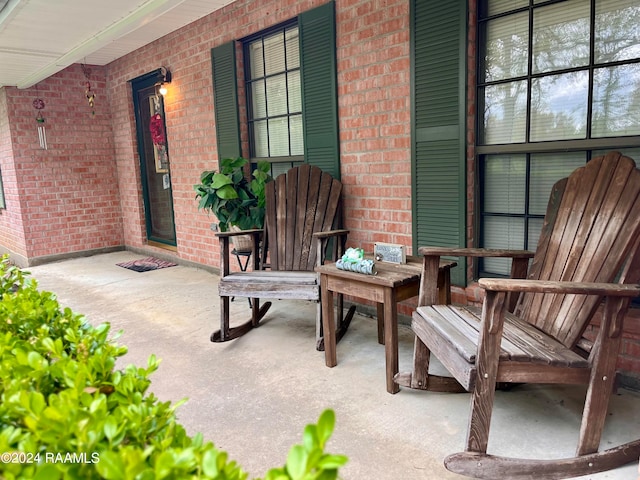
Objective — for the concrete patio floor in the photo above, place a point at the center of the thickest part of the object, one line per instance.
(253, 396)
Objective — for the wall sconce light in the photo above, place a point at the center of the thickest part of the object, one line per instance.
(165, 79)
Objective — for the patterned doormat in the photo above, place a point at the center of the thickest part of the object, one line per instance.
(146, 264)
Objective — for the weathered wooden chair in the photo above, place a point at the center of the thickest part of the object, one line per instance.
(590, 239)
(303, 206)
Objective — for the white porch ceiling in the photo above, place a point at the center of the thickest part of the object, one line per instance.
(41, 37)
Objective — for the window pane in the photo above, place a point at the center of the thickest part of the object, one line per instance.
(277, 95)
(274, 53)
(507, 47)
(256, 62)
(293, 48)
(559, 106)
(258, 100)
(279, 137)
(533, 235)
(294, 91)
(502, 233)
(504, 183)
(629, 152)
(617, 30)
(505, 113)
(295, 132)
(616, 101)
(260, 139)
(500, 6)
(561, 36)
(546, 170)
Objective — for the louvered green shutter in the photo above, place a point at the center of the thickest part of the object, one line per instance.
(319, 88)
(438, 36)
(225, 98)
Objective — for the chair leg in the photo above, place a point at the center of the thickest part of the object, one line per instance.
(484, 391)
(419, 377)
(255, 312)
(601, 382)
(319, 328)
(227, 333)
(480, 416)
(222, 335)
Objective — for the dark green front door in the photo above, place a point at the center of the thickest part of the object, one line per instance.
(153, 150)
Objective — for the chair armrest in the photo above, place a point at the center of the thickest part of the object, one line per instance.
(322, 239)
(225, 252)
(519, 264)
(330, 233)
(617, 296)
(474, 252)
(541, 286)
(240, 232)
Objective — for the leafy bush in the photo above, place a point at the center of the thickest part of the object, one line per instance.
(66, 412)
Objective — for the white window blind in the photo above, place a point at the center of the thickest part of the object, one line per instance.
(275, 115)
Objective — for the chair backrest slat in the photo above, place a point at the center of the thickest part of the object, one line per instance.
(591, 228)
(299, 203)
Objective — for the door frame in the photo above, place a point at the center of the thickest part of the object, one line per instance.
(145, 81)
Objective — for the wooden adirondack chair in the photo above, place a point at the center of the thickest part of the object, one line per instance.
(591, 234)
(302, 208)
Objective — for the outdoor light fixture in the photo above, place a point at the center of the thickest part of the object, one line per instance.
(165, 79)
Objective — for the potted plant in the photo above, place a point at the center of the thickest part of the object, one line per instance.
(237, 202)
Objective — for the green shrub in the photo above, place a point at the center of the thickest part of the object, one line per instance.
(66, 412)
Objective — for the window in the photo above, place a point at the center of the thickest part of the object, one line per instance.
(559, 83)
(272, 76)
(285, 67)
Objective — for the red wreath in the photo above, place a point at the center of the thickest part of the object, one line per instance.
(156, 126)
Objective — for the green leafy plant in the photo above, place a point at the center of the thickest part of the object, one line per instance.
(67, 412)
(233, 198)
(308, 461)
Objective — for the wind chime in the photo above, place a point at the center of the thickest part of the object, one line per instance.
(38, 104)
(91, 97)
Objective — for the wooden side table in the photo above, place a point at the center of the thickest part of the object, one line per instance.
(392, 284)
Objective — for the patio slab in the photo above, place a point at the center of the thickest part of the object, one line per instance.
(253, 396)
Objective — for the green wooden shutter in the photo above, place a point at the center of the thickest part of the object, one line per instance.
(225, 98)
(438, 38)
(319, 88)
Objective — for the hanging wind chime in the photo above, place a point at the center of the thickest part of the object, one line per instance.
(91, 97)
(38, 104)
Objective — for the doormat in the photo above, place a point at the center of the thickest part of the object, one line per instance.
(146, 264)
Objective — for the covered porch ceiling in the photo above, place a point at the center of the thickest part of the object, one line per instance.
(39, 38)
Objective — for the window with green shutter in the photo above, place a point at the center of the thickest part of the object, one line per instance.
(290, 80)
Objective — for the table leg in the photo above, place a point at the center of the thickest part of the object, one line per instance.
(328, 323)
(380, 316)
(391, 338)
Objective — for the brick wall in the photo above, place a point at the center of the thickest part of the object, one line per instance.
(374, 110)
(68, 194)
(11, 231)
(375, 120)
